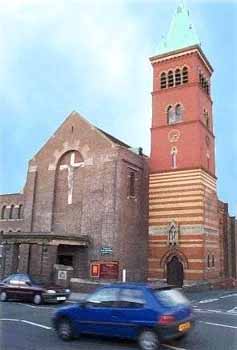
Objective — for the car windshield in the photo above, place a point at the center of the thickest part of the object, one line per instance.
(171, 297)
(36, 280)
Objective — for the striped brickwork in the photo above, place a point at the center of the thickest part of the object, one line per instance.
(187, 197)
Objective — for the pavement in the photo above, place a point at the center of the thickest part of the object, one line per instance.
(28, 327)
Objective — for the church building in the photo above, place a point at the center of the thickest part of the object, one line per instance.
(107, 211)
(84, 205)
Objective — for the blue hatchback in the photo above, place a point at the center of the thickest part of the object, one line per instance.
(148, 313)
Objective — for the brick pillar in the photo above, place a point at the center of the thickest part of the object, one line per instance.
(49, 258)
(23, 258)
(36, 257)
(2, 259)
(81, 264)
(29, 198)
(10, 259)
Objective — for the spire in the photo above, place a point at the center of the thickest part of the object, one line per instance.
(181, 33)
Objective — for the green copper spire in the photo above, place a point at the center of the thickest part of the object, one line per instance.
(181, 33)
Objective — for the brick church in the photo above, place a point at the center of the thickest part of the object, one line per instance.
(95, 204)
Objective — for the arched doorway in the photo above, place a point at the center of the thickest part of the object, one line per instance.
(175, 272)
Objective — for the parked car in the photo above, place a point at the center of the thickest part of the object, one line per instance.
(21, 286)
(150, 314)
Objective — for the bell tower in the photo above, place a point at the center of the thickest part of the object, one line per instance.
(182, 129)
(182, 160)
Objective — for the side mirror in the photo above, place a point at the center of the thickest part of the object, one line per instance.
(28, 283)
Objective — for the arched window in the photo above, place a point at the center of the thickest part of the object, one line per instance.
(131, 185)
(20, 212)
(170, 115)
(213, 261)
(3, 212)
(185, 75)
(177, 77)
(208, 261)
(200, 78)
(170, 78)
(163, 82)
(178, 113)
(202, 81)
(11, 211)
(206, 118)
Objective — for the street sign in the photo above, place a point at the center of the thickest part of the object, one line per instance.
(106, 250)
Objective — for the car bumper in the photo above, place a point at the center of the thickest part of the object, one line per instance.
(56, 297)
(175, 330)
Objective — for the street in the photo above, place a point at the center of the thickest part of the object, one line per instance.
(28, 327)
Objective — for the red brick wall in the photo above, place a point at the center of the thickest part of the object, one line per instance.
(11, 200)
(192, 145)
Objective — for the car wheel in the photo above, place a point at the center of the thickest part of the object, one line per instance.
(64, 329)
(3, 296)
(37, 300)
(148, 340)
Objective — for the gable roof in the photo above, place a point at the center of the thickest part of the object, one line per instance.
(114, 139)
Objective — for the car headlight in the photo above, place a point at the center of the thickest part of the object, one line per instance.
(67, 291)
(51, 291)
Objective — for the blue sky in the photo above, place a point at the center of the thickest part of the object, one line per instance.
(92, 56)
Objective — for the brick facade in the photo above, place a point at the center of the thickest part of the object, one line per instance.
(76, 201)
(182, 190)
(228, 241)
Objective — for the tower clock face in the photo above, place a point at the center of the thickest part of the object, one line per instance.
(173, 135)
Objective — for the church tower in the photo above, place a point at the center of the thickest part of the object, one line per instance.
(183, 219)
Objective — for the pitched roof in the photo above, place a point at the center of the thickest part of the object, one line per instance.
(181, 33)
(113, 139)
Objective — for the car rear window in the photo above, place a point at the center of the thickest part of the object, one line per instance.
(171, 297)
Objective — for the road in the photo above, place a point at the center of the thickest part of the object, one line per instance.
(28, 327)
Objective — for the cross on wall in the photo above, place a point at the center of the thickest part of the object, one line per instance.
(70, 167)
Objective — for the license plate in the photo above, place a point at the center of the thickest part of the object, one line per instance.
(184, 326)
(61, 298)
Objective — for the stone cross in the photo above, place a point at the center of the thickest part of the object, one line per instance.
(70, 167)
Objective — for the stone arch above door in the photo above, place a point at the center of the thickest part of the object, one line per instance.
(167, 257)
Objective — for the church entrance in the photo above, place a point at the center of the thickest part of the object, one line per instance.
(175, 272)
(75, 256)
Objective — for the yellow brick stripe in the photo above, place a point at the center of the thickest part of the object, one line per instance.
(198, 204)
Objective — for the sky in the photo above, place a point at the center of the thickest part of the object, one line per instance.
(92, 56)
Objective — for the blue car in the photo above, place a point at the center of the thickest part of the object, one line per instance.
(148, 313)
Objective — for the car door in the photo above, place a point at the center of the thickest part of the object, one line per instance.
(26, 291)
(12, 287)
(96, 314)
(131, 313)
